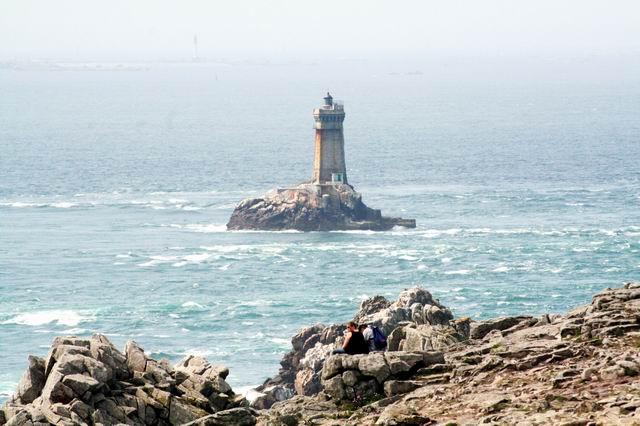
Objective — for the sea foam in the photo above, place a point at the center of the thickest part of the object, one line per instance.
(61, 317)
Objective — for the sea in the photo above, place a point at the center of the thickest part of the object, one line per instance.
(116, 183)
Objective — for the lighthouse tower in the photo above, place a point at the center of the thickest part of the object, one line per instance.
(328, 161)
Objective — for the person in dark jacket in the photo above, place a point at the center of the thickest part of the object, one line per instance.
(354, 342)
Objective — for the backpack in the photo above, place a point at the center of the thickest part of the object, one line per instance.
(379, 339)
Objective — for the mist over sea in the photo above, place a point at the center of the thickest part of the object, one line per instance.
(115, 186)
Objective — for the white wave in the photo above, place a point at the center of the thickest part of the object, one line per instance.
(501, 269)
(254, 303)
(356, 231)
(205, 228)
(197, 258)
(458, 272)
(249, 392)
(225, 267)
(63, 205)
(157, 260)
(281, 342)
(192, 304)
(406, 257)
(74, 331)
(20, 204)
(582, 249)
(61, 317)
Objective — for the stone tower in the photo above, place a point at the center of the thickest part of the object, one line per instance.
(328, 161)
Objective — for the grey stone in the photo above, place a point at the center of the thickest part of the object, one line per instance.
(436, 315)
(32, 381)
(374, 365)
(334, 387)
(181, 412)
(400, 362)
(332, 366)
(135, 356)
(231, 417)
(480, 328)
(55, 391)
(307, 382)
(80, 384)
(103, 351)
(397, 387)
(350, 377)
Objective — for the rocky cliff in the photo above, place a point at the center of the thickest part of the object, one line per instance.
(581, 368)
(90, 382)
(310, 207)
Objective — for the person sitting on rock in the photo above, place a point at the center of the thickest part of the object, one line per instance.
(354, 342)
(367, 333)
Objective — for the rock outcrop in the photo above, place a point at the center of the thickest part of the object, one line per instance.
(415, 320)
(90, 382)
(581, 368)
(311, 207)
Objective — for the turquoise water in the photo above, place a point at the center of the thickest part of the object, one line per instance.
(115, 187)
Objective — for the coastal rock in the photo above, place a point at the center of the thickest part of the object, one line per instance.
(311, 207)
(32, 381)
(231, 417)
(514, 370)
(302, 367)
(88, 381)
(479, 329)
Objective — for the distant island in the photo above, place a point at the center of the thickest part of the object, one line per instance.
(327, 202)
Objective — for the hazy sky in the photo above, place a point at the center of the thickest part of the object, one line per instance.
(158, 29)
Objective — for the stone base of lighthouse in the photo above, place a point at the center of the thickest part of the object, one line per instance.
(312, 207)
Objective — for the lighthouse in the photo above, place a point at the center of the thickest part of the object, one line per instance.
(328, 161)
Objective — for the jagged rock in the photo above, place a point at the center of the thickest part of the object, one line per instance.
(480, 328)
(527, 373)
(270, 395)
(298, 410)
(402, 362)
(370, 306)
(374, 365)
(80, 384)
(334, 387)
(103, 351)
(90, 382)
(136, 358)
(425, 337)
(396, 387)
(395, 415)
(32, 381)
(309, 207)
(231, 417)
(181, 412)
(201, 367)
(307, 382)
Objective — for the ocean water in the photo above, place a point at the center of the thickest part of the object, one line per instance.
(115, 187)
